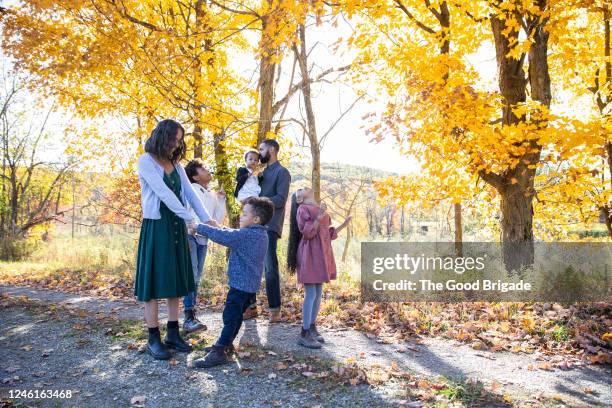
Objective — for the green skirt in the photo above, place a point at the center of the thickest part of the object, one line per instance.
(163, 265)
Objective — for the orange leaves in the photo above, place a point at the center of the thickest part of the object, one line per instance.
(132, 62)
(281, 365)
(601, 358)
(442, 112)
(528, 324)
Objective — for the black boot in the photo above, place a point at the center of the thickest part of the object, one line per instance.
(174, 340)
(191, 323)
(217, 356)
(155, 347)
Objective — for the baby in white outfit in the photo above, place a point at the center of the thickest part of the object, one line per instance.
(247, 178)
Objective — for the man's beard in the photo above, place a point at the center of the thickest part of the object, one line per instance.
(264, 159)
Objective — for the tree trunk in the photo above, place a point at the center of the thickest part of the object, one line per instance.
(197, 142)
(200, 13)
(267, 69)
(458, 230)
(517, 227)
(444, 19)
(266, 97)
(226, 179)
(14, 208)
(607, 218)
(315, 150)
(349, 233)
(315, 177)
(607, 210)
(512, 81)
(516, 185)
(608, 99)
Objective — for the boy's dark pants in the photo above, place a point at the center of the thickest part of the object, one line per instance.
(236, 303)
(272, 275)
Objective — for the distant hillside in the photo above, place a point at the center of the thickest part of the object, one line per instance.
(331, 172)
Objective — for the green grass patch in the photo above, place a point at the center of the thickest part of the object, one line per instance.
(466, 392)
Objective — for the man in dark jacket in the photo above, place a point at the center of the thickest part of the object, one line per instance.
(274, 184)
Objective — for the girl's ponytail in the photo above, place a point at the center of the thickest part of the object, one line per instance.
(294, 235)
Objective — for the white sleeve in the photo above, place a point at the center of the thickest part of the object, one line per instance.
(147, 170)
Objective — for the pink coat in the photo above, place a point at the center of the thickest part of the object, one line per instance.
(315, 258)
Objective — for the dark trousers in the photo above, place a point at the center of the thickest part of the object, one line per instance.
(236, 303)
(272, 275)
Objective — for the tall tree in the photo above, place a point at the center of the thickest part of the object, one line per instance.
(439, 108)
(316, 140)
(139, 60)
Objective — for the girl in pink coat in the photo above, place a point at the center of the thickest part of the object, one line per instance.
(310, 253)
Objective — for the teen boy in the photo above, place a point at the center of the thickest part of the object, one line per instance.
(214, 202)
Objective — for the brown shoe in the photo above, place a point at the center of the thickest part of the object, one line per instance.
(275, 316)
(250, 313)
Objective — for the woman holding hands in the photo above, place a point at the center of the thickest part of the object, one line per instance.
(163, 267)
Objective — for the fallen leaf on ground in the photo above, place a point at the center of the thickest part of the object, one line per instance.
(545, 366)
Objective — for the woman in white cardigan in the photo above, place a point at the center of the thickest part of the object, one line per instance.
(163, 266)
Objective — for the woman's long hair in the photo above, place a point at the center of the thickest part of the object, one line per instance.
(294, 235)
(160, 141)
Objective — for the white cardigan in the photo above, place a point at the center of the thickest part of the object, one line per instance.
(154, 190)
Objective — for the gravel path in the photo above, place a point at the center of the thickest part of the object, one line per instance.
(41, 352)
(430, 357)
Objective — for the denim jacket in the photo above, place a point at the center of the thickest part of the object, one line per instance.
(154, 190)
(248, 252)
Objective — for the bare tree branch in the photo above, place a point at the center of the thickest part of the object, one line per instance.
(424, 27)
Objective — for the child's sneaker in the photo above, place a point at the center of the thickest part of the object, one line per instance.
(316, 334)
(228, 350)
(250, 313)
(275, 316)
(217, 356)
(307, 340)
